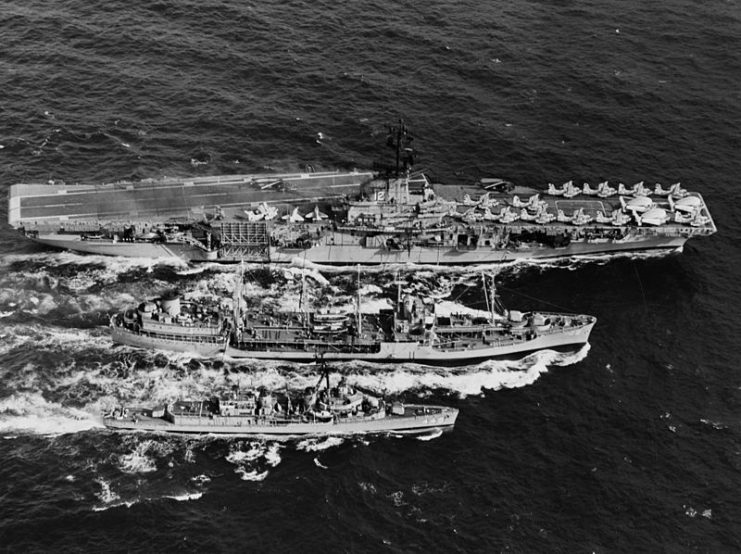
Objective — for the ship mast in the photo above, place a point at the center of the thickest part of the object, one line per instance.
(486, 295)
(398, 290)
(358, 316)
(400, 140)
(237, 297)
(301, 294)
(493, 301)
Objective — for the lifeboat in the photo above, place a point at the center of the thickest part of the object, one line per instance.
(330, 316)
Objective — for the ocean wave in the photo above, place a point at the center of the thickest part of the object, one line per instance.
(30, 412)
(251, 475)
(110, 500)
(250, 458)
(185, 496)
(141, 459)
(114, 264)
(156, 379)
(107, 496)
(437, 433)
(318, 444)
(35, 337)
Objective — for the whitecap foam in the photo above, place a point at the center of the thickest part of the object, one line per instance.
(254, 452)
(106, 494)
(185, 496)
(38, 337)
(367, 487)
(251, 475)
(305, 273)
(319, 464)
(31, 412)
(248, 461)
(138, 461)
(115, 264)
(126, 503)
(449, 307)
(470, 380)
(272, 455)
(430, 436)
(317, 444)
(714, 424)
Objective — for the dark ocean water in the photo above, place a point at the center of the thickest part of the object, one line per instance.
(633, 444)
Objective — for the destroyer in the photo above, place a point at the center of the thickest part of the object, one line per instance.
(357, 217)
(337, 410)
(410, 332)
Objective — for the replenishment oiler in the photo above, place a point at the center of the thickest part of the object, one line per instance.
(393, 217)
(339, 410)
(410, 332)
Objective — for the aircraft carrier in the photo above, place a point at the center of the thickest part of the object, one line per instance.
(358, 217)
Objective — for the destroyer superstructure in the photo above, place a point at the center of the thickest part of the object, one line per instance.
(319, 411)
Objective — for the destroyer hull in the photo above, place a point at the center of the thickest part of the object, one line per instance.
(411, 424)
(390, 352)
(356, 254)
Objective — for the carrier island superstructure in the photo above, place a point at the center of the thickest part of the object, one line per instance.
(357, 217)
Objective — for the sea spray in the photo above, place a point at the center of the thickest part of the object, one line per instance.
(251, 457)
(30, 412)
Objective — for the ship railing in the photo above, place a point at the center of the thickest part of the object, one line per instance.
(216, 420)
(308, 345)
(467, 343)
(667, 229)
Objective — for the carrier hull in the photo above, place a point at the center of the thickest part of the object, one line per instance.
(355, 254)
(349, 255)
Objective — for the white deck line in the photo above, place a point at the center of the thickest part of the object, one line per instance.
(198, 181)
